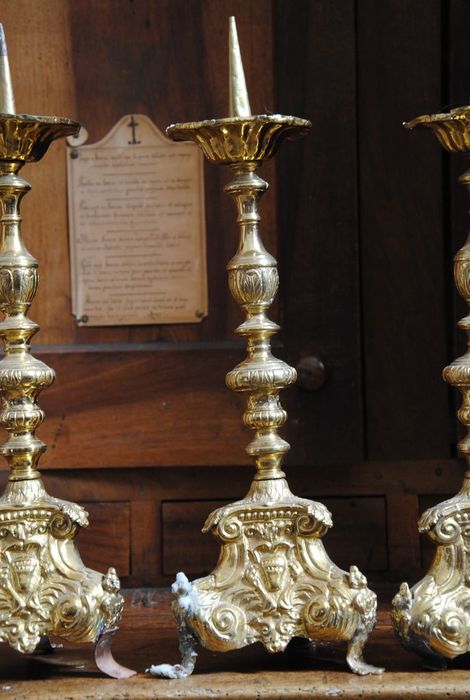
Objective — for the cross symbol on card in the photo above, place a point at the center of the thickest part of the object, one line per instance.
(132, 124)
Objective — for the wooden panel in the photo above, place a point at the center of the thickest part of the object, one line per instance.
(145, 542)
(142, 408)
(359, 539)
(318, 225)
(403, 537)
(152, 405)
(359, 533)
(185, 548)
(358, 536)
(188, 484)
(106, 541)
(405, 327)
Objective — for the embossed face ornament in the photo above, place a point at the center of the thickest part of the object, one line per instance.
(273, 565)
(24, 566)
(22, 545)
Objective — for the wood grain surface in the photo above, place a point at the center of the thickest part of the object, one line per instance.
(142, 407)
(401, 208)
(318, 224)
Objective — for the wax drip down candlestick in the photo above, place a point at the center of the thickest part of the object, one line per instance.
(433, 617)
(274, 580)
(45, 589)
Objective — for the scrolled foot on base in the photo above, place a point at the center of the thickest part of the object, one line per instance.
(432, 622)
(365, 604)
(111, 605)
(104, 658)
(433, 617)
(344, 611)
(185, 603)
(355, 655)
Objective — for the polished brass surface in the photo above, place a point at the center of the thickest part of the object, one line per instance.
(240, 139)
(433, 617)
(451, 129)
(274, 580)
(45, 589)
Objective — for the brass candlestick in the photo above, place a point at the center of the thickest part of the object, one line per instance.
(45, 589)
(274, 580)
(433, 618)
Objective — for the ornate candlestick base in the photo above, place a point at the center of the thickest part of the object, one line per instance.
(433, 618)
(274, 580)
(45, 589)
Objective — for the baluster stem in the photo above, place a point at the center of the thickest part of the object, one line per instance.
(22, 376)
(253, 282)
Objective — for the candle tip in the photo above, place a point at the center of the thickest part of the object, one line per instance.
(7, 100)
(239, 103)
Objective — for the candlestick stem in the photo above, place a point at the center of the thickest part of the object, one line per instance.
(253, 281)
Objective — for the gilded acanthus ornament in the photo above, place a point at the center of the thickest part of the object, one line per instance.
(45, 589)
(433, 617)
(274, 580)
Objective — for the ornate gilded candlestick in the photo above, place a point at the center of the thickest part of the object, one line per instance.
(433, 618)
(45, 589)
(274, 580)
